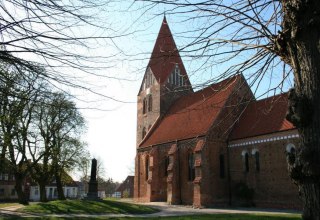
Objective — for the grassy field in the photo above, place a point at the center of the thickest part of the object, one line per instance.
(87, 207)
(116, 207)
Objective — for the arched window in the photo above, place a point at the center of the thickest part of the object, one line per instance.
(255, 153)
(144, 106)
(245, 159)
(290, 148)
(221, 160)
(144, 132)
(149, 103)
(191, 169)
(147, 167)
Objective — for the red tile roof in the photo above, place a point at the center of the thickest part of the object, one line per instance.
(192, 115)
(165, 55)
(263, 117)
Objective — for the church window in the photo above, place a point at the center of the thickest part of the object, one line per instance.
(246, 162)
(150, 103)
(147, 167)
(166, 164)
(191, 168)
(144, 132)
(257, 157)
(222, 166)
(290, 148)
(144, 106)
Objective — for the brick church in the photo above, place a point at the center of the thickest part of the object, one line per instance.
(213, 147)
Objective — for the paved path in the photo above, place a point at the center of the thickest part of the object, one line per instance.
(165, 210)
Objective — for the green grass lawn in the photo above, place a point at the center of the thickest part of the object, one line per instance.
(196, 217)
(3, 205)
(86, 207)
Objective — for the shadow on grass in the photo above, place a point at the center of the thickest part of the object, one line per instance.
(87, 207)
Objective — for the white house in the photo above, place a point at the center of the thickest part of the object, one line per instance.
(70, 191)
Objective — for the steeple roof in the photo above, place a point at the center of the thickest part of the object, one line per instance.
(165, 55)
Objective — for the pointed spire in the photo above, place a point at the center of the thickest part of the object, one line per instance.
(164, 18)
(165, 54)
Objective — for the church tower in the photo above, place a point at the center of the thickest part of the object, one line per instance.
(164, 81)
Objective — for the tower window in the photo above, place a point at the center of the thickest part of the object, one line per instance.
(144, 110)
(191, 168)
(144, 132)
(150, 103)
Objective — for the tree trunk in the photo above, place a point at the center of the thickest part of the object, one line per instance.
(42, 190)
(301, 34)
(22, 197)
(59, 187)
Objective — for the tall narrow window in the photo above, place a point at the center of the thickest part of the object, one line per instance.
(150, 103)
(147, 167)
(144, 132)
(191, 169)
(144, 110)
(246, 162)
(221, 160)
(166, 164)
(257, 157)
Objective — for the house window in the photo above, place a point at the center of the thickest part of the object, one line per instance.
(166, 164)
(221, 160)
(144, 132)
(147, 168)
(36, 191)
(150, 103)
(191, 169)
(2, 192)
(13, 192)
(144, 110)
(6, 176)
(0, 176)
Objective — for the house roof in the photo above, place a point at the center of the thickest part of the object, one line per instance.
(165, 55)
(192, 115)
(124, 185)
(263, 117)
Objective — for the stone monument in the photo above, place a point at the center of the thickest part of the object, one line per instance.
(93, 184)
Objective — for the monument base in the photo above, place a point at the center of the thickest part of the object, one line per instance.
(93, 191)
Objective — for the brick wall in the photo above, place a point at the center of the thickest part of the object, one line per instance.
(272, 185)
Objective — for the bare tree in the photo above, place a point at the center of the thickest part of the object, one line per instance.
(58, 35)
(265, 39)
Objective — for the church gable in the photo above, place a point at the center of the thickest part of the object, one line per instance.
(165, 57)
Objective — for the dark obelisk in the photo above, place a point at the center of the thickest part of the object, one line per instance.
(93, 184)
